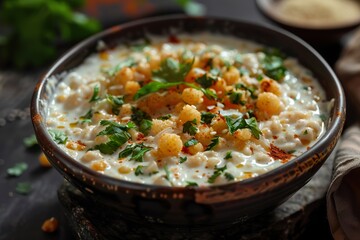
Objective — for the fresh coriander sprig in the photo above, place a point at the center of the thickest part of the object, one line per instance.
(190, 127)
(241, 123)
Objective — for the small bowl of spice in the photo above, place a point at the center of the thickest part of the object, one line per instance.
(317, 21)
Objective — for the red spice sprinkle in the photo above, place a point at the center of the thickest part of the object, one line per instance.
(185, 150)
(279, 154)
(140, 136)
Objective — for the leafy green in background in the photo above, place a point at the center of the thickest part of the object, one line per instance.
(35, 27)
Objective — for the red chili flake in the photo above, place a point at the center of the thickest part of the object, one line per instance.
(275, 137)
(279, 154)
(140, 136)
(185, 150)
(173, 39)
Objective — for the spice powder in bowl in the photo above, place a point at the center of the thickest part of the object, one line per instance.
(317, 13)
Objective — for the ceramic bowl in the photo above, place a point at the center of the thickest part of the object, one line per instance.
(199, 206)
(315, 35)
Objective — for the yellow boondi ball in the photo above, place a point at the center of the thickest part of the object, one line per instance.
(192, 96)
(189, 113)
(269, 103)
(169, 144)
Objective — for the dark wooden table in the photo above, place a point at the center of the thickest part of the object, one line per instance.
(21, 216)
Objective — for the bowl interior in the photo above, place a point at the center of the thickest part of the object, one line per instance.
(286, 42)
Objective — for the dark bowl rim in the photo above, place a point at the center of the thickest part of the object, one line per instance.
(43, 136)
(336, 27)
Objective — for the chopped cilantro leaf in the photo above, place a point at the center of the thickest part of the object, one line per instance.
(182, 159)
(228, 155)
(216, 174)
(235, 98)
(154, 87)
(206, 81)
(241, 123)
(23, 188)
(323, 117)
(30, 141)
(229, 176)
(191, 184)
(138, 115)
(191, 142)
(206, 117)
(214, 142)
(259, 77)
(115, 141)
(137, 152)
(305, 132)
(190, 127)
(114, 127)
(171, 71)
(168, 175)
(165, 117)
(58, 136)
(116, 102)
(273, 65)
(209, 94)
(291, 151)
(117, 134)
(87, 117)
(95, 95)
(139, 170)
(145, 126)
(17, 170)
(249, 89)
(129, 62)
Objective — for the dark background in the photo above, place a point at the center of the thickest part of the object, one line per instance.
(21, 216)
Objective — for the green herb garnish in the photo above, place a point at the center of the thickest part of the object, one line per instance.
(139, 170)
(171, 71)
(30, 141)
(137, 152)
(95, 95)
(214, 142)
(182, 159)
(191, 142)
(138, 115)
(23, 188)
(17, 170)
(191, 184)
(154, 87)
(190, 127)
(117, 134)
(87, 117)
(216, 174)
(206, 117)
(129, 62)
(229, 176)
(235, 98)
(273, 64)
(165, 117)
(206, 81)
(58, 136)
(241, 123)
(145, 126)
(116, 102)
(228, 155)
(249, 89)
(168, 175)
